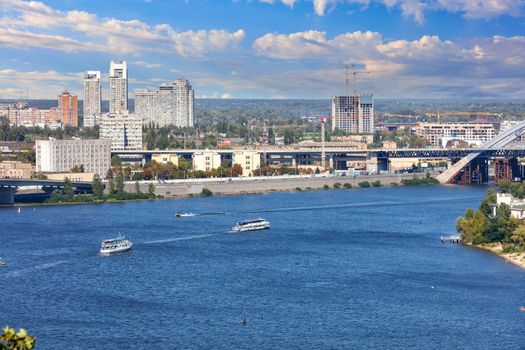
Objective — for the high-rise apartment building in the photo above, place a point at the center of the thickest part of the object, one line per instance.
(123, 129)
(92, 98)
(63, 155)
(118, 87)
(68, 107)
(170, 104)
(353, 114)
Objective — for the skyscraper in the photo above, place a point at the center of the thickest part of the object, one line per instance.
(68, 107)
(170, 104)
(92, 98)
(123, 129)
(353, 114)
(118, 87)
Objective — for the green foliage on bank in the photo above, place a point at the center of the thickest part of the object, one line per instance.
(483, 226)
(364, 184)
(427, 180)
(206, 192)
(12, 340)
(115, 193)
(376, 183)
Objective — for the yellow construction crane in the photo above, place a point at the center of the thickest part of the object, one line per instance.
(356, 107)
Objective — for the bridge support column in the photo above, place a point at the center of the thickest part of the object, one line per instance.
(505, 168)
(7, 195)
(474, 173)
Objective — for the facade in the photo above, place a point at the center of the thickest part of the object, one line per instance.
(353, 114)
(516, 205)
(118, 87)
(249, 160)
(81, 177)
(163, 158)
(92, 98)
(124, 130)
(63, 155)
(206, 160)
(68, 107)
(439, 134)
(20, 114)
(12, 169)
(170, 104)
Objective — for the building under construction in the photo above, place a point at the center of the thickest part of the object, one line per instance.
(353, 114)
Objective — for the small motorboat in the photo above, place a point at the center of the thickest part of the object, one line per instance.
(3, 263)
(115, 245)
(182, 215)
(522, 308)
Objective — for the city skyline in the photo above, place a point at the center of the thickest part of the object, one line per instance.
(267, 49)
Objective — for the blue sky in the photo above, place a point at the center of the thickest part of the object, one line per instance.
(268, 48)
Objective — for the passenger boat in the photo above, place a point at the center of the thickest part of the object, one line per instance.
(181, 215)
(115, 245)
(3, 263)
(251, 225)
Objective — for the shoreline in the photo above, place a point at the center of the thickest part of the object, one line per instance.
(167, 196)
(517, 259)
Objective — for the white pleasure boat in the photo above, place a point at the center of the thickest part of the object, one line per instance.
(3, 263)
(252, 225)
(115, 245)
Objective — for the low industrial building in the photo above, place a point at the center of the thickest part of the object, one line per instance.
(248, 160)
(59, 156)
(206, 160)
(12, 169)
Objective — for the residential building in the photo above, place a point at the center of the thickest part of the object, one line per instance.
(13, 169)
(81, 177)
(68, 109)
(248, 160)
(63, 155)
(439, 134)
(123, 129)
(170, 104)
(92, 98)
(118, 87)
(206, 160)
(353, 114)
(20, 114)
(516, 205)
(165, 158)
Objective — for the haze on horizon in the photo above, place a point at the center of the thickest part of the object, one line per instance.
(268, 48)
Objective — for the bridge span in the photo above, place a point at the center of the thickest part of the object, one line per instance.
(9, 187)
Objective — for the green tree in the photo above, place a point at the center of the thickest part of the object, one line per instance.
(206, 192)
(109, 174)
(137, 187)
(11, 340)
(119, 187)
(488, 202)
(116, 160)
(111, 186)
(68, 187)
(151, 190)
(518, 237)
(98, 187)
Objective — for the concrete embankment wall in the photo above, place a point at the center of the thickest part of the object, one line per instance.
(263, 184)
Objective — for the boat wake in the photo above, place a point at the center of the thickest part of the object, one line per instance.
(22, 272)
(175, 239)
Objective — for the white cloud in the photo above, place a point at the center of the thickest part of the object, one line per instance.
(147, 64)
(108, 34)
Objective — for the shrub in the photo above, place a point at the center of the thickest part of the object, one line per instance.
(308, 188)
(337, 185)
(206, 192)
(347, 185)
(393, 184)
(364, 184)
(326, 187)
(298, 189)
(376, 183)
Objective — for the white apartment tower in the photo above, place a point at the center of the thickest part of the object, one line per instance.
(123, 129)
(92, 98)
(118, 87)
(353, 114)
(170, 104)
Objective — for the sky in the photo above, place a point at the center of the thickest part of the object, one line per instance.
(268, 48)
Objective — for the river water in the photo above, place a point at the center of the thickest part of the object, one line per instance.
(340, 269)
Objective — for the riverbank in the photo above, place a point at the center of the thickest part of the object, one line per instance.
(517, 259)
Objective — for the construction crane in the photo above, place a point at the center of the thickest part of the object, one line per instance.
(347, 67)
(356, 107)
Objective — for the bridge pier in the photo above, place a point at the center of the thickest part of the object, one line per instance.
(505, 168)
(7, 195)
(476, 172)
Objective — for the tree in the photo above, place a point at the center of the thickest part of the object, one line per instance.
(116, 160)
(206, 192)
(98, 187)
(137, 187)
(518, 237)
(109, 174)
(75, 169)
(9, 340)
(488, 202)
(151, 190)
(236, 170)
(68, 187)
(120, 183)
(111, 186)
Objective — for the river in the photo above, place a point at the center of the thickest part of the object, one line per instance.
(340, 269)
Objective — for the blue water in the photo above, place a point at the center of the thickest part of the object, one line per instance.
(340, 269)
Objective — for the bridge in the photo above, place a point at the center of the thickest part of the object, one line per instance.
(9, 187)
(472, 168)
